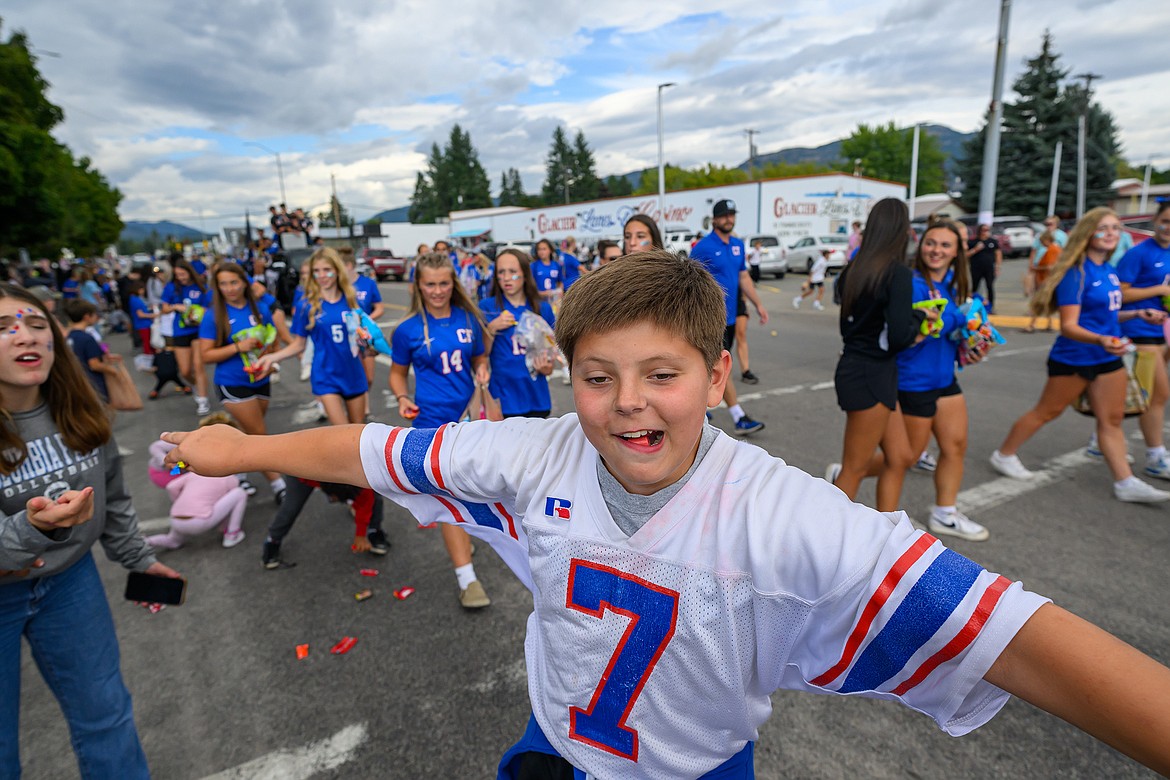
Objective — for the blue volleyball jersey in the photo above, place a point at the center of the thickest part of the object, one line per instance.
(444, 378)
(187, 295)
(231, 371)
(572, 268)
(518, 392)
(548, 276)
(337, 361)
(137, 307)
(1096, 289)
(1146, 265)
(366, 290)
(724, 261)
(930, 364)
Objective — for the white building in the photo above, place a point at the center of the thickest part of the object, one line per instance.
(788, 208)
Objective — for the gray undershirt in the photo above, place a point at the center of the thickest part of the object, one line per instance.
(631, 512)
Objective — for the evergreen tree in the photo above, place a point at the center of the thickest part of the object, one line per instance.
(1044, 113)
(512, 189)
(887, 152)
(454, 180)
(325, 216)
(559, 169)
(616, 187)
(586, 186)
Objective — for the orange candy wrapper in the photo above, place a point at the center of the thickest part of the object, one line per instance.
(302, 652)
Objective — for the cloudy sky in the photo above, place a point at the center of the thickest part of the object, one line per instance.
(165, 97)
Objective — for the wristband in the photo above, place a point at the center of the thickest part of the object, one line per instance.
(400, 396)
(237, 347)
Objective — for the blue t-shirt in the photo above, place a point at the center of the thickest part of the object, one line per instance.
(337, 360)
(1146, 265)
(1098, 292)
(86, 347)
(444, 379)
(572, 268)
(199, 266)
(69, 289)
(518, 392)
(231, 372)
(137, 307)
(725, 262)
(366, 290)
(930, 364)
(187, 295)
(548, 275)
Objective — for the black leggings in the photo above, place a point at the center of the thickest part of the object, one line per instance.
(984, 272)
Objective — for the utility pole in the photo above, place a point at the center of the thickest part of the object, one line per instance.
(1055, 178)
(991, 147)
(914, 169)
(751, 134)
(1082, 137)
(1146, 185)
(336, 205)
(661, 159)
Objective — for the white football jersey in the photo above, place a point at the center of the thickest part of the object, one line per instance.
(655, 655)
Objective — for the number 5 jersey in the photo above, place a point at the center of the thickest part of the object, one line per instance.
(654, 655)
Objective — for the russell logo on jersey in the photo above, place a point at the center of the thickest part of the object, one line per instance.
(557, 508)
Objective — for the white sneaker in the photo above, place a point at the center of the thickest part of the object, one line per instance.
(1138, 492)
(202, 405)
(796, 302)
(832, 471)
(818, 306)
(231, 540)
(1009, 466)
(926, 462)
(956, 524)
(306, 372)
(1159, 468)
(566, 379)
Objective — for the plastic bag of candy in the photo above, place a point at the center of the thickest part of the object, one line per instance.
(932, 328)
(369, 334)
(469, 278)
(538, 340)
(978, 335)
(266, 334)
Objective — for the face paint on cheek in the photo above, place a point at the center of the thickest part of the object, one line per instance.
(1098, 235)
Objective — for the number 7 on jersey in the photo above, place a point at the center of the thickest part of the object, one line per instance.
(653, 612)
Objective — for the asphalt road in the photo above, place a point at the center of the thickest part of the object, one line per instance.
(432, 691)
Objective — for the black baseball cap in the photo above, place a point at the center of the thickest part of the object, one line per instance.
(723, 208)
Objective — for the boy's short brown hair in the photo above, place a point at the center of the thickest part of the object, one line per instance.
(673, 293)
(77, 310)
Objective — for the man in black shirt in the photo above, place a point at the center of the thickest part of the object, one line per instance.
(985, 257)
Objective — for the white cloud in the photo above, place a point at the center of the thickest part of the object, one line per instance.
(162, 96)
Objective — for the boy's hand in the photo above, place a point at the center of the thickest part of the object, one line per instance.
(38, 563)
(162, 570)
(204, 450)
(360, 544)
(74, 507)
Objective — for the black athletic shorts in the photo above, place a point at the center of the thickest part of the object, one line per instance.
(230, 394)
(1056, 368)
(924, 403)
(538, 415)
(729, 337)
(1159, 341)
(740, 306)
(180, 341)
(863, 383)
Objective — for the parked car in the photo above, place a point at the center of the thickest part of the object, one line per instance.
(1014, 234)
(773, 255)
(802, 253)
(383, 263)
(679, 240)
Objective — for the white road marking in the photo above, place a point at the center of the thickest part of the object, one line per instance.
(789, 390)
(124, 452)
(303, 762)
(1000, 491)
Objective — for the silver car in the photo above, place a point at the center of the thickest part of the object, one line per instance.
(803, 253)
(773, 255)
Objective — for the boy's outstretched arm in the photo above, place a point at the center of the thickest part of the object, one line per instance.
(328, 454)
(1090, 678)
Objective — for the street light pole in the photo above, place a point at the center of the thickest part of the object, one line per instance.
(994, 120)
(1082, 133)
(751, 136)
(661, 161)
(279, 168)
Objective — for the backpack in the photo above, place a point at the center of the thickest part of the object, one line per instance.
(286, 279)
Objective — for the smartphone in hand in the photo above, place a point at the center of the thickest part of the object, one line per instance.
(154, 589)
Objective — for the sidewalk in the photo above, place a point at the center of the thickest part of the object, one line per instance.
(1011, 305)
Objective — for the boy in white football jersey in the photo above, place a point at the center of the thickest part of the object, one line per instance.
(681, 576)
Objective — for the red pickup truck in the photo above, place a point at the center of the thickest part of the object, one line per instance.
(384, 263)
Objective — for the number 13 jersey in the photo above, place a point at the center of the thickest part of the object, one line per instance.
(655, 655)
